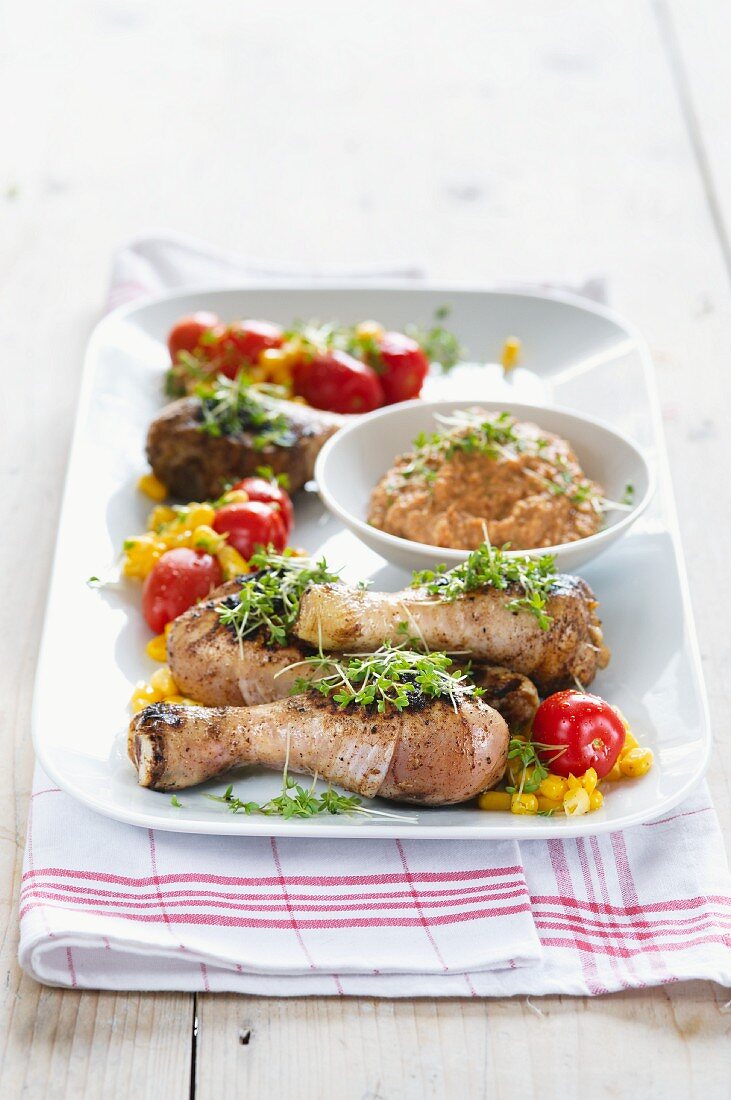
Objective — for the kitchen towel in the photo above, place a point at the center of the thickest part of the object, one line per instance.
(111, 906)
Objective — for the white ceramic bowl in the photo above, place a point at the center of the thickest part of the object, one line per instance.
(355, 458)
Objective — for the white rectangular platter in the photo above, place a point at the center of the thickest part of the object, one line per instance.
(575, 355)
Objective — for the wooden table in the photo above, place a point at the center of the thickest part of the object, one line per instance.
(483, 141)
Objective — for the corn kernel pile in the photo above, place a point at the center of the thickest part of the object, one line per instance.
(574, 796)
(190, 526)
(161, 688)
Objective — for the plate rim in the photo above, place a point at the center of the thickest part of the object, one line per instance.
(523, 828)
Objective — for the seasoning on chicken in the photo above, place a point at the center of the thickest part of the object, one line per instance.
(210, 664)
(432, 753)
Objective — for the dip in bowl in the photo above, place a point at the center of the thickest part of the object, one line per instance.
(420, 482)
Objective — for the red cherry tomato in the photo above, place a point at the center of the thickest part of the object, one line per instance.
(179, 579)
(186, 333)
(589, 729)
(241, 343)
(403, 368)
(338, 382)
(268, 492)
(251, 525)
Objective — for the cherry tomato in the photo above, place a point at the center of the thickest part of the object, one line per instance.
(338, 382)
(250, 525)
(588, 727)
(179, 579)
(186, 333)
(268, 492)
(240, 344)
(403, 367)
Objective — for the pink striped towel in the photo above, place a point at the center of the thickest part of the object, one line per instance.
(106, 905)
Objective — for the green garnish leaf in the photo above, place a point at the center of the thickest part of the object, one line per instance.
(269, 599)
(392, 677)
(438, 343)
(175, 801)
(490, 567)
(282, 480)
(533, 770)
(234, 407)
(294, 800)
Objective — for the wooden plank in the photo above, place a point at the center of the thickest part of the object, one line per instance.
(69, 1044)
(697, 38)
(553, 1047)
(53, 1043)
(484, 143)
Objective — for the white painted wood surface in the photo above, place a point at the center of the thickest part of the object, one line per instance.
(483, 141)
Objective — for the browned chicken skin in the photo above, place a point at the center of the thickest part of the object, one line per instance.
(198, 466)
(430, 754)
(210, 665)
(572, 649)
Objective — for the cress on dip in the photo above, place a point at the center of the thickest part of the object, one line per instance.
(483, 469)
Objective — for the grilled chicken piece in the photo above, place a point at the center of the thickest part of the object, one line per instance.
(509, 693)
(430, 753)
(198, 466)
(210, 665)
(479, 623)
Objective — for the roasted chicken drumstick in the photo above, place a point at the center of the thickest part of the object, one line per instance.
(210, 665)
(433, 753)
(479, 623)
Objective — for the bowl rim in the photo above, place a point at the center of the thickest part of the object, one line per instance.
(365, 530)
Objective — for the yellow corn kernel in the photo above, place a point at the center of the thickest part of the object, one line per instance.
(516, 773)
(159, 516)
(510, 353)
(596, 799)
(576, 802)
(280, 374)
(173, 699)
(271, 356)
(234, 496)
(524, 803)
(152, 487)
(636, 762)
(573, 782)
(231, 562)
(176, 538)
(157, 648)
(162, 681)
(614, 774)
(369, 330)
(630, 742)
(142, 696)
(555, 805)
(553, 787)
(140, 554)
(168, 628)
(198, 515)
(494, 800)
(205, 538)
(589, 780)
